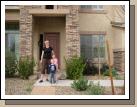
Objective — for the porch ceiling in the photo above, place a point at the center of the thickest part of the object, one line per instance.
(48, 12)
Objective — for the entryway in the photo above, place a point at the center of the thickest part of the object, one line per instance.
(54, 39)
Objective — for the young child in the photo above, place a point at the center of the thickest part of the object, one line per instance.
(55, 61)
(52, 71)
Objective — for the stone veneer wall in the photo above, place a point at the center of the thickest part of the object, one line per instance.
(119, 60)
(26, 22)
(72, 30)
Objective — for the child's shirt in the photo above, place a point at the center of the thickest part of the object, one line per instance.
(52, 68)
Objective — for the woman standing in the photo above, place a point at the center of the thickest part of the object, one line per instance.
(45, 60)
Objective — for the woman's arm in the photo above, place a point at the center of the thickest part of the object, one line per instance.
(42, 56)
(52, 52)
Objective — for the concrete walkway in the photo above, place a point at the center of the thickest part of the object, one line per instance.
(117, 83)
(46, 88)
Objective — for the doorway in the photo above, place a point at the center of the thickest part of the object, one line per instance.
(54, 40)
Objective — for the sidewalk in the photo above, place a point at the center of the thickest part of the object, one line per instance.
(117, 83)
(46, 88)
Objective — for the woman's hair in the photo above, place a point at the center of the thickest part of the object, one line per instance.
(46, 41)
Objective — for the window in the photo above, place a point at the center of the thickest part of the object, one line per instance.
(49, 7)
(93, 7)
(12, 38)
(92, 46)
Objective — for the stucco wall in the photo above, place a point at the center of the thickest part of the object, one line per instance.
(49, 24)
(118, 38)
(98, 23)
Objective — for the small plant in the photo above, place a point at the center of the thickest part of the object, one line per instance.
(95, 89)
(104, 68)
(80, 85)
(10, 64)
(74, 67)
(25, 67)
(114, 72)
(118, 77)
(90, 69)
(29, 88)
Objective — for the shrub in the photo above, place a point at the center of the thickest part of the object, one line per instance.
(25, 67)
(90, 69)
(74, 67)
(114, 72)
(80, 85)
(10, 64)
(104, 68)
(95, 89)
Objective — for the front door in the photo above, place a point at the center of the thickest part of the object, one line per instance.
(54, 41)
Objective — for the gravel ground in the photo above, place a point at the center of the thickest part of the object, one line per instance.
(17, 86)
(65, 90)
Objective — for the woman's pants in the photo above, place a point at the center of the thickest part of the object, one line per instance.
(45, 64)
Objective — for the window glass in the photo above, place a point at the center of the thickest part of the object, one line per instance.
(12, 38)
(96, 7)
(92, 46)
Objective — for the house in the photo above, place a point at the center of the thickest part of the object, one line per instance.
(71, 30)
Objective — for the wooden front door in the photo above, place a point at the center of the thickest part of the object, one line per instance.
(54, 41)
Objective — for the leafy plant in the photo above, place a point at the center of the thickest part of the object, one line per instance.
(118, 77)
(25, 67)
(10, 64)
(29, 87)
(80, 85)
(104, 68)
(114, 72)
(95, 89)
(90, 69)
(74, 67)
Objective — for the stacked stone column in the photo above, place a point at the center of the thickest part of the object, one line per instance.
(26, 22)
(119, 60)
(72, 31)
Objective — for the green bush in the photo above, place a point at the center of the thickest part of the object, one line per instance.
(10, 64)
(74, 67)
(114, 72)
(25, 67)
(95, 89)
(90, 69)
(80, 85)
(104, 68)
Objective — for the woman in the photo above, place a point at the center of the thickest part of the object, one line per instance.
(45, 60)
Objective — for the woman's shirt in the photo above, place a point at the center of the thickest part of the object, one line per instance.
(47, 53)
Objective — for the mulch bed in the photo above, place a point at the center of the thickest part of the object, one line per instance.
(65, 90)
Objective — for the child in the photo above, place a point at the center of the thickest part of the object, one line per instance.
(52, 71)
(55, 61)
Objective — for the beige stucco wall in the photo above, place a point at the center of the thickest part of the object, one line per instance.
(118, 38)
(98, 22)
(12, 15)
(49, 24)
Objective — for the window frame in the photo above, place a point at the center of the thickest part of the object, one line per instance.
(13, 32)
(93, 10)
(95, 59)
